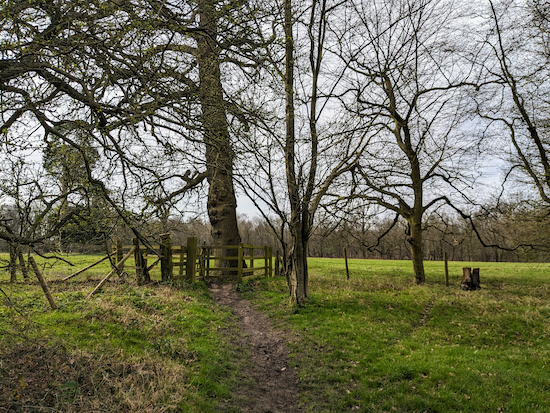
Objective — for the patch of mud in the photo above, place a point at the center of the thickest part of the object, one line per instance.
(270, 385)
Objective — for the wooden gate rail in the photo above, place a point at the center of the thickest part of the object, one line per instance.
(170, 257)
(245, 262)
(118, 267)
(252, 261)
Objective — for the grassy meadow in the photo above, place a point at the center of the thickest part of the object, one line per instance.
(156, 348)
(378, 343)
(373, 343)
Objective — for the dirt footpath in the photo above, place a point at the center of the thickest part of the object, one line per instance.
(274, 388)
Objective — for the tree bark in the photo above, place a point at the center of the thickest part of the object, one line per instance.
(417, 253)
(298, 275)
(222, 204)
(415, 219)
(22, 264)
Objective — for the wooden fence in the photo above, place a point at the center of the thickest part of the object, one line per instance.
(251, 261)
(191, 261)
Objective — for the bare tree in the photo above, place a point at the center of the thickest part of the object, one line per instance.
(144, 81)
(68, 67)
(302, 154)
(515, 103)
(405, 83)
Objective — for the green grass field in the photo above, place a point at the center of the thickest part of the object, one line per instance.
(133, 349)
(373, 343)
(379, 343)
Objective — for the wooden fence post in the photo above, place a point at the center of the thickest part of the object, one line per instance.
(270, 262)
(42, 282)
(166, 262)
(346, 259)
(240, 263)
(13, 264)
(266, 265)
(201, 251)
(277, 270)
(183, 251)
(208, 262)
(143, 257)
(138, 260)
(251, 252)
(446, 269)
(191, 262)
(119, 254)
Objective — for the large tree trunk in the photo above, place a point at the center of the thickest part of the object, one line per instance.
(222, 204)
(417, 253)
(415, 217)
(299, 275)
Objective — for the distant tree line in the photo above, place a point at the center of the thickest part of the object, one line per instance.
(515, 233)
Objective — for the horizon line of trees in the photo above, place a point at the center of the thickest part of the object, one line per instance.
(518, 231)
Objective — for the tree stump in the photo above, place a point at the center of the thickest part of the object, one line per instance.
(470, 279)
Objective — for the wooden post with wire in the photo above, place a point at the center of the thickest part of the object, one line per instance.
(346, 259)
(446, 269)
